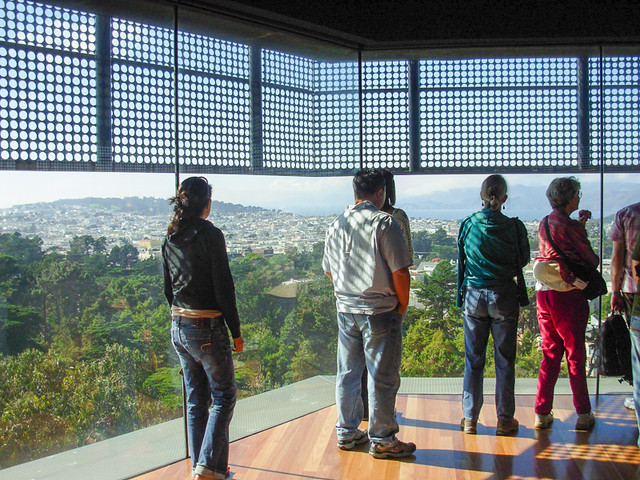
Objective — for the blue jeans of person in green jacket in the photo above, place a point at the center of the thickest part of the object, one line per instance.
(490, 310)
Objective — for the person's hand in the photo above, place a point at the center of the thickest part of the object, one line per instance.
(583, 216)
(238, 344)
(617, 302)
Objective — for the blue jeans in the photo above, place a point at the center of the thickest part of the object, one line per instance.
(634, 331)
(205, 356)
(374, 341)
(490, 310)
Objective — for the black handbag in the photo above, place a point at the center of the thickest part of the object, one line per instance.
(596, 285)
(521, 285)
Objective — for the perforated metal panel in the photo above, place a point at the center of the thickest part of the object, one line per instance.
(337, 121)
(288, 111)
(47, 85)
(499, 113)
(215, 103)
(142, 94)
(621, 88)
(81, 91)
(386, 115)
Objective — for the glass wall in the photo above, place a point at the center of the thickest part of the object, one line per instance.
(85, 355)
(84, 351)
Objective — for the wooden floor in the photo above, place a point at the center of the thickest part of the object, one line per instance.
(306, 448)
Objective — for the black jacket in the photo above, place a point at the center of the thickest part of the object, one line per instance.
(196, 271)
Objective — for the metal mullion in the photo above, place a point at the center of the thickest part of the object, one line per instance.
(170, 68)
(136, 63)
(337, 92)
(487, 89)
(104, 104)
(48, 51)
(215, 76)
(288, 88)
(414, 116)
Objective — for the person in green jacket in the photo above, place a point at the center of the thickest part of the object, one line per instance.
(492, 249)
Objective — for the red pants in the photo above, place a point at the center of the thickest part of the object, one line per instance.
(562, 317)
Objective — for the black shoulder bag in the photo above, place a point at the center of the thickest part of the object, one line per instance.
(596, 285)
(523, 295)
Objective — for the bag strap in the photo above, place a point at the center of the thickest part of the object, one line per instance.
(550, 238)
(515, 226)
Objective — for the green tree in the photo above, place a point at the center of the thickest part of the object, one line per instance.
(421, 241)
(24, 250)
(20, 328)
(438, 294)
(125, 256)
(428, 352)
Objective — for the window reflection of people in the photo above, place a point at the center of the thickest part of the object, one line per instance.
(491, 249)
(368, 261)
(562, 309)
(200, 291)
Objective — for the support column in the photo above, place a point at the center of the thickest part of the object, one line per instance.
(255, 87)
(103, 93)
(584, 141)
(414, 117)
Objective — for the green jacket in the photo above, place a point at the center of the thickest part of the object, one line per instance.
(491, 249)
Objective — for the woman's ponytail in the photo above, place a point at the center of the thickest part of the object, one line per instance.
(190, 201)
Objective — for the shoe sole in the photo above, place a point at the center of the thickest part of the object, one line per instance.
(468, 431)
(506, 433)
(354, 443)
(585, 428)
(391, 454)
(546, 426)
(543, 426)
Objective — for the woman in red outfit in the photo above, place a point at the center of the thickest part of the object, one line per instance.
(562, 309)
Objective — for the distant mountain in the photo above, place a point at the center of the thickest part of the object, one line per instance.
(526, 202)
(142, 206)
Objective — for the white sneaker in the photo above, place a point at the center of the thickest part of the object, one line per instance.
(585, 421)
(629, 403)
(543, 421)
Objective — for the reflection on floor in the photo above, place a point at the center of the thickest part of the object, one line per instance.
(305, 448)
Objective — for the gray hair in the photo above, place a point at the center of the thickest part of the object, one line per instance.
(562, 190)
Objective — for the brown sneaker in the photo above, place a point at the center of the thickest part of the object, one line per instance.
(360, 437)
(469, 426)
(507, 428)
(393, 450)
(585, 422)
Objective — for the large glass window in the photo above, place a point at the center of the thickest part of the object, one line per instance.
(84, 345)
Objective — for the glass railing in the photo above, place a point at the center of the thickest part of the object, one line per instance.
(84, 345)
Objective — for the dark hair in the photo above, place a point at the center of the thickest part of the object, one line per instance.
(493, 190)
(562, 190)
(190, 201)
(367, 181)
(390, 199)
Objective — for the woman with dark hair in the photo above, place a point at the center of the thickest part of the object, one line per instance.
(397, 213)
(492, 249)
(562, 309)
(200, 291)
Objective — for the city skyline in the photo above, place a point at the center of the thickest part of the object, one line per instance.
(301, 195)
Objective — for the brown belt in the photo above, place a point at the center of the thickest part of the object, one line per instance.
(200, 322)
